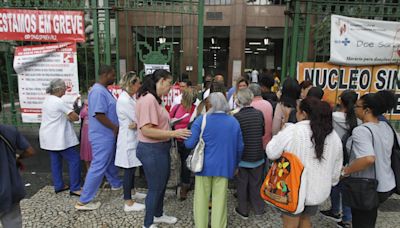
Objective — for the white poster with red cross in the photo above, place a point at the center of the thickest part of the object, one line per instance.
(36, 66)
(364, 42)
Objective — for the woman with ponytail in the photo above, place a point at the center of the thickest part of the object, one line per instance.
(314, 142)
(154, 135)
(370, 146)
(344, 121)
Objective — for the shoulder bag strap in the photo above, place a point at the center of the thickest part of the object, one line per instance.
(373, 146)
(203, 124)
(7, 143)
(176, 110)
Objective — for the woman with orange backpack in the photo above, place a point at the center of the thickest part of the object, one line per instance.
(315, 144)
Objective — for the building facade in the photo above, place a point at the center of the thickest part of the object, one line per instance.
(239, 35)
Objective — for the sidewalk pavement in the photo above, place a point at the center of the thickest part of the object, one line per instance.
(46, 209)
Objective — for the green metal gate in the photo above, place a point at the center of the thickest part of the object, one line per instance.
(307, 27)
(107, 26)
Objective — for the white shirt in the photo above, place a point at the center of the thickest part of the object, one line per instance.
(127, 141)
(176, 101)
(320, 175)
(254, 76)
(56, 131)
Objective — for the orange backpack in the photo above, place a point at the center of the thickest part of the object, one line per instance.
(284, 186)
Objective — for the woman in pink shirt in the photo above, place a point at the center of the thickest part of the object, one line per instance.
(154, 143)
(185, 108)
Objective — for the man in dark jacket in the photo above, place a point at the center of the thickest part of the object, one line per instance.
(11, 186)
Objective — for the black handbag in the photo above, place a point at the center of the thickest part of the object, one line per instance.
(360, 193)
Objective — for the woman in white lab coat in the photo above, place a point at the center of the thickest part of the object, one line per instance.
(125, 156)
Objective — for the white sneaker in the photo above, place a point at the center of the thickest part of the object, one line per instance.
(165, 219)
(116, 188)
(88, 207)
(139, 196)
(152, 226)
(134, 207)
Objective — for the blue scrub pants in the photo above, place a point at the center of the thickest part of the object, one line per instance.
(74, 168)
(101, 165)
(156, 162)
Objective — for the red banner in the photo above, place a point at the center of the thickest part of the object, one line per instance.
(42, 25)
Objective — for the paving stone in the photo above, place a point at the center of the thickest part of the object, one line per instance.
(46, 209)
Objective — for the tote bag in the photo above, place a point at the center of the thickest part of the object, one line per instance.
(195, 160)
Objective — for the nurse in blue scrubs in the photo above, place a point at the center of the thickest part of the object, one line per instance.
(103, 130)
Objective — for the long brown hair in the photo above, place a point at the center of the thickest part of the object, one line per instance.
(320, 115)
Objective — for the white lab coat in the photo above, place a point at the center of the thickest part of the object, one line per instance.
(127, 141)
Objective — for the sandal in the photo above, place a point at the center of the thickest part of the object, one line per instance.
(74, 194)
(66, 187)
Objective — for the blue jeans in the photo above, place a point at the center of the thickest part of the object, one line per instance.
(74, 168)
(156, 162)
(337, 203)
(129, 182)
(101, 165)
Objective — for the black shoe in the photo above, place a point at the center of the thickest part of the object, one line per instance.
(243, 216)
(328, 214)
(342, 224)
(74, 194)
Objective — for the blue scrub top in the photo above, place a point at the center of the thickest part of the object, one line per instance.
(101, 101)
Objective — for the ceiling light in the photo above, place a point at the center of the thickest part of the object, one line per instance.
(261, 49)
(266, 41)
(247, 49)
(254, 43)
(162, 40)
(256, 52)
(215, 47)
(212, 40)
(248, 52)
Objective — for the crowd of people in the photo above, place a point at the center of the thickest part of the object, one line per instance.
(244, 130)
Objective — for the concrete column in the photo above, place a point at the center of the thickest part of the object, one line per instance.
(237, 38)
(126, 49)
(189, 26)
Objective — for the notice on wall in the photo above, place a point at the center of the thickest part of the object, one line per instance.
(236, 70)
(42, 25)
(361, 42)
(150, 68)
(335, 79)
(36, 66)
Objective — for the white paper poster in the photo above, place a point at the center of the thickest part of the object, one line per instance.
(236, 70)
(36, 66)
(357, 41)
(150, 68)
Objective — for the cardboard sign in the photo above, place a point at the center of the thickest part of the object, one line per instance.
(335, 79)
